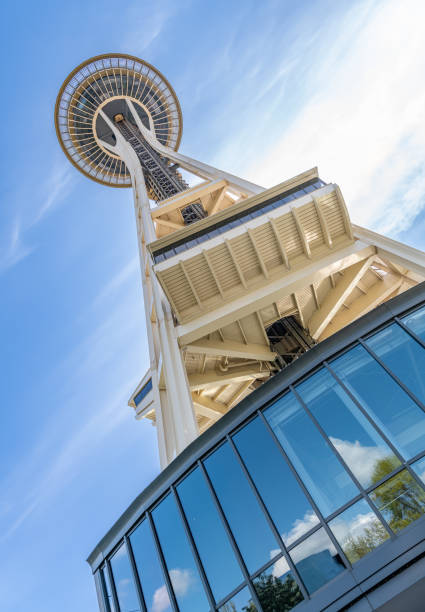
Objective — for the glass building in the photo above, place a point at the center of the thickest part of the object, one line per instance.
(286, 380)
(310, 494)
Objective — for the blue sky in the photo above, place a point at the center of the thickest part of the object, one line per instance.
(268, 89)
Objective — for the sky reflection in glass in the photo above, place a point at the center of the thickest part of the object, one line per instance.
(241, 508)
(322, 473)
(419, 467)
(416, 322)
(284, 498)
(399, 417)
(317, 560)
(276, 588)
(400, 499)
(150, 573)
(358, 443)
(108, 589)
(358, 530)
(124, 583)
(241, 602)
(217, 556)
(403, 355)
(178, 557)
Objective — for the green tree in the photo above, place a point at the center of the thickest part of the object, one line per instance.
(357, 547)
(401, 500)
(275, 595)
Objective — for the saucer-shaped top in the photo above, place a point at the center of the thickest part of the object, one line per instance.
(105, 82)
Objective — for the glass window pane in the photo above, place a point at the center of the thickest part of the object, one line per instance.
(419, 467)
(317, 560)
(218, 559)
(324, 476)
(150, 572)
(281, 493)
(399, 417)
(403, 355)
(241, 602)
(124, 583)
(108, 589)
(241, 508)
(178, 557)
(401, 500)
(358, 530)
(416, 322)
(358, 443)
(277, 589)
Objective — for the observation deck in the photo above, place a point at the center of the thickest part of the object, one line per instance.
(105, 82)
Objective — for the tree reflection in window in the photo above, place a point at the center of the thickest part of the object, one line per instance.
(358, 530)
(276, 589)
(401, 500)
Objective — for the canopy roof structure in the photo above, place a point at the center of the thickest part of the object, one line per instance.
(105, 82)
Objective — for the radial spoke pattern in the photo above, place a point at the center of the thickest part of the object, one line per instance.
(93, 84)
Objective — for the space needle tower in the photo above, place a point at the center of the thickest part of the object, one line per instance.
(238, 281)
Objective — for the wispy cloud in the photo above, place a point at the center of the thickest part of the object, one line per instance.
(15, 245)
(14, 249)
(144, 24)
(363, 120)
(55, 189)
(87, 379)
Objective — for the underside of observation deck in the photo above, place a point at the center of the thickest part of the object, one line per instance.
(263, 278)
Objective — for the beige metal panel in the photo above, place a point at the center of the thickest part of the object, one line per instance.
(394, 251)
(274, 290)
(232, 349)
(379, 293)
(335, 298)
(330, 208)
(242, 205)
(210, 379)
(186, 197)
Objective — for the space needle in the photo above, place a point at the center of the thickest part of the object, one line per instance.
(224, 311)
(287, 351)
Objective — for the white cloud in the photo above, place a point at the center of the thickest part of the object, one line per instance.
(14, 249)
(360, 459)
(56, 188)
(181, 579)
(362, 120)
(354, 527)
(300, 527)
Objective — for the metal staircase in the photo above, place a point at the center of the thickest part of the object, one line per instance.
(162, 180)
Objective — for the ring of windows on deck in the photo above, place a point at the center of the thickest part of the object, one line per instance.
(294, 497)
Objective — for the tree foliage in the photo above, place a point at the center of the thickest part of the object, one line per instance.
(276, 595)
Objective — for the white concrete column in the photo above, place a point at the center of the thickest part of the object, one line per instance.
(175, 417)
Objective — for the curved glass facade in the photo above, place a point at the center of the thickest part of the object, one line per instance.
(292, 498)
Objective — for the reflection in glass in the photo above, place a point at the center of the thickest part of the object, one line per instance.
(419, 467)
(241, 602)
(178, 557)
(322, 473)
(403, 355)
(281, 493)
(401, 500)
(358, 443)
(317, 560)
(241, 508)
(276, 588)
(108, 589)
(358, 530)
(416, 322)
(151, 578)
(124, 582)
(222, 569)
(399, 417)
